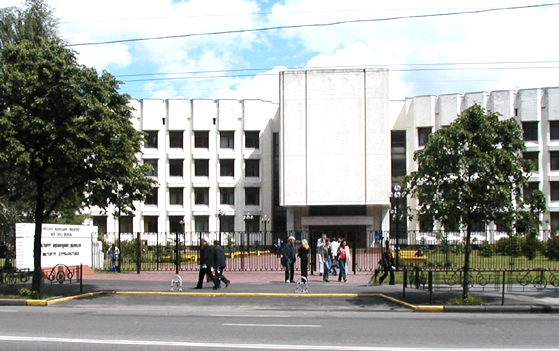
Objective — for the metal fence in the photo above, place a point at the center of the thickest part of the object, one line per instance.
(254, 251)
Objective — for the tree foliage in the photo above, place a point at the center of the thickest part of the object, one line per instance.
(34, 22)
(66, 135)
(473, 171)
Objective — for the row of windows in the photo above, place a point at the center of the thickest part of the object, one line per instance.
(201, 196)
(202, 169)
(554, 189)
(202, 139)
(530, 132)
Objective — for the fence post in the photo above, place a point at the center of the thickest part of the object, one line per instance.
(138, 253)
(503, 293)
(430, 282)
(405, 282)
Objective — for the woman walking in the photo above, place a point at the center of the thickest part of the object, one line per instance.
(303, 254)
(344, 259)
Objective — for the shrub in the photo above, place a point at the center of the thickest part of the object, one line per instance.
(509, 247)
(551, 248)
(486, 250)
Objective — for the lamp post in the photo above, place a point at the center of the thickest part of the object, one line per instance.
(246, 218)
(265, 220)
(397, 215)
(219, 214)
(177, 257)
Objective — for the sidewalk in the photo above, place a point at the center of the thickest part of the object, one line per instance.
(271, 284)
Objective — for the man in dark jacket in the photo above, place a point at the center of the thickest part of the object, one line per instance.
(219, 258)
(206, 264)
(288, 257)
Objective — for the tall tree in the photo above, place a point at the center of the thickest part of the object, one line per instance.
(473, 171)
(33, 22)
(66, 136)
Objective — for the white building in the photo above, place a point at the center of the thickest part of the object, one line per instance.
(322, 160)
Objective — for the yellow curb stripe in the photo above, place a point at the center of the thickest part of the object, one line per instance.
(414, 307)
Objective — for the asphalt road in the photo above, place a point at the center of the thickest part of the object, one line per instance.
(140, 323)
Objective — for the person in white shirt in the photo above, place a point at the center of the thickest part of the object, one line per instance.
(319, 252)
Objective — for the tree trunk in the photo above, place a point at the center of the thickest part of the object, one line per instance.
(39, 216)
(466, 282)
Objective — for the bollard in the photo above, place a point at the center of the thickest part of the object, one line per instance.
(176, 282)
(302, 285)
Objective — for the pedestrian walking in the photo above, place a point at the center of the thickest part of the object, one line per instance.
(344, 259)
(334, 245)
(113, 252)
(277, 247)
(387, 264)
(320, 253)
(303, 254)
(327, 259)
(220, 264)
(206, 264)
(288, 257)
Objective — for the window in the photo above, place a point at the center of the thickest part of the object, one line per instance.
(201, 223)
(125, 224)
(176, 168)
(426, 225)
(252, 225)
(554, 160)
(227, 223)
(423, 135)
(151, 139)
(478, 227)
(227, 168)
(201, 196)
(150, 224)
(554, 130)
(226, 140)
(530, 131)
(554, 191)
(201, 168)
(252, 140)
(529, 187)
(176, 139)
(554, 217)
(101, 223)
(202, 139)
(151, 198)
(252, 196)
(252, 168)
(533, 158)
(227, 196)
(175, 224)
(153, 164)
(175, 196)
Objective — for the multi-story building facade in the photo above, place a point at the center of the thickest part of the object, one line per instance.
(322, 160)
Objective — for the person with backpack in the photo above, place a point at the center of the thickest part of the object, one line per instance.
(387, 264)
(113, 252)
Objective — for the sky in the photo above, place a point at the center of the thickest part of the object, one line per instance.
(234, 49)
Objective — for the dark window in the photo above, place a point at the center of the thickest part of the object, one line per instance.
(153, 164)
(554, 130)
(151, 198)
(478, 227)
(529, 187)
(423, 135)
(398, 155)
(554, 160)
(533, 158)
(202, 139)
(554, 216)
(201, 196)
(150, 224)
(227, 223)
(252, 168)
(201, 168)
(125, 224)
(227, 168)
(252, 196)
(176, 168)
(227, 140)
(252, 140)
(252, 225)
(554, 191)
(101, 223)
(175, 224)
(201, 223)
(175, 196)
(426, 225)
(151, 139)
(530, 131)
(227, 196)
(176, 139)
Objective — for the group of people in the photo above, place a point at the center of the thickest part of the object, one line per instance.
(332, 256)
(212, 264)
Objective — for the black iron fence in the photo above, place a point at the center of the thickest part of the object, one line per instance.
(255, 251)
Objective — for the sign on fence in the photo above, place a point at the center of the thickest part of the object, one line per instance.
(60, 244)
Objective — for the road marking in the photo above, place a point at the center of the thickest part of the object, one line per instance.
(250, 316)
(9, 311)
(252, 346)
(272, 325)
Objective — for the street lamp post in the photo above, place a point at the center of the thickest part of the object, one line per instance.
(397, 215)
(265, 220)
(246, 218)
(177, 251)
(219, 214)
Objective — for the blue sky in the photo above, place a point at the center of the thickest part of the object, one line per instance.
(504, 49)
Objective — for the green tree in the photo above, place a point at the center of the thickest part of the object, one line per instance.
(472, 171)
(34, 22)
(66, 136)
